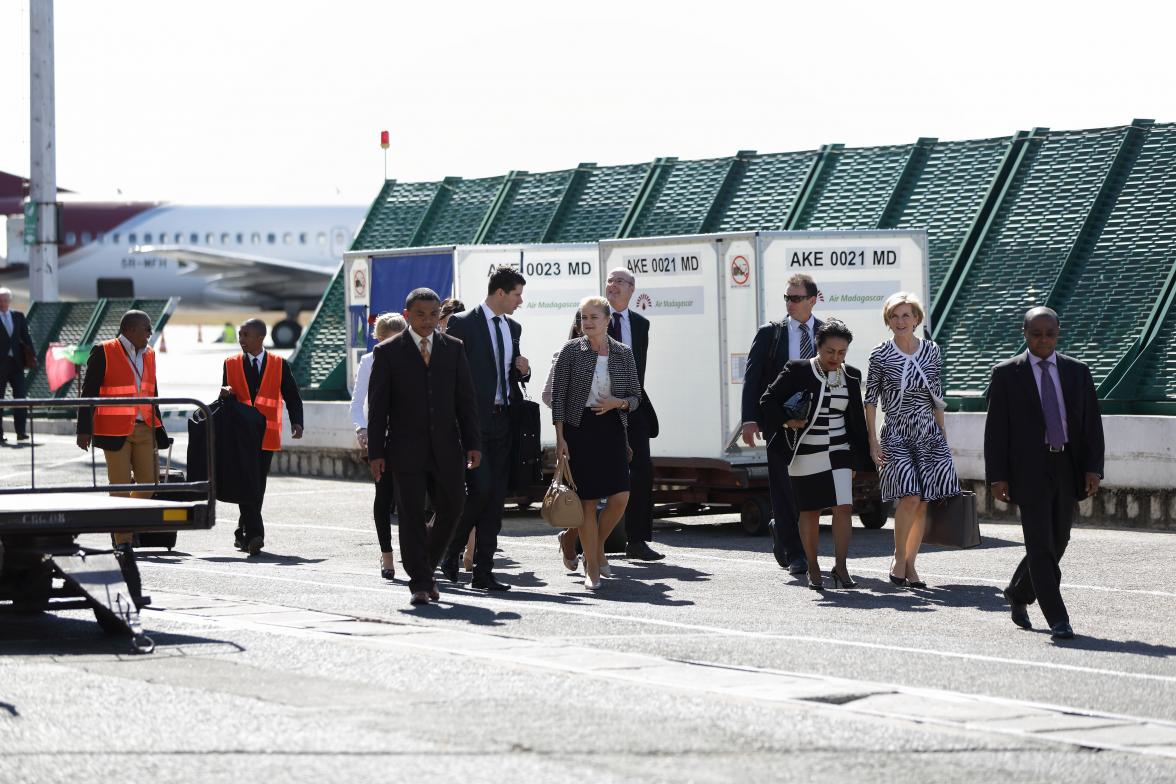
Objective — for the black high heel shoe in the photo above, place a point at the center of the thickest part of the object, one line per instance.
(901, 582)
(816, 585)
(838, 582)
(386, 572)
(916, 584)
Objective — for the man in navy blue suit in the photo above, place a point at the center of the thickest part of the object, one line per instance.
(775, 343)
(491, 342)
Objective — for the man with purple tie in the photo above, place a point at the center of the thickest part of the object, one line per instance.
(1043, 451)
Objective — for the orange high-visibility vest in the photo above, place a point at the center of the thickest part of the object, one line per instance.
(119, 381)
(269, 395)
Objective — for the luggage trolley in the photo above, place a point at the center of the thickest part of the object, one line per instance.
(39, 527)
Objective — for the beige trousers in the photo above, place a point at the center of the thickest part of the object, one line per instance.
(135, 462)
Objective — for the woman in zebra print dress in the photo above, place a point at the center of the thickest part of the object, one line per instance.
(913, 458)
(826, 448)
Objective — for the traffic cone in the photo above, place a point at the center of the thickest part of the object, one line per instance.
(199, 333)
(162, 343)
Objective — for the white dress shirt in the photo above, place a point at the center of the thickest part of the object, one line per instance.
(1057, 382)
(504, 330)
(257, 360)
(359, 392)
(626, 325)
(427, 340)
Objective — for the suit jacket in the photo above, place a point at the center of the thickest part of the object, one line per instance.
(291, 397)
(95, 372)
(1014, 432)
(20, 336)
(760, 372)
(473, 333)
(572, 382)
(421, 416)
(797, 376)
(639, 325)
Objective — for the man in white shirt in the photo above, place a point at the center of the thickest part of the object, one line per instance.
(14, 342)
(632, 329)
(774, 345)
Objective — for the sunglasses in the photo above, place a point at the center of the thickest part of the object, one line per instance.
(796, 298)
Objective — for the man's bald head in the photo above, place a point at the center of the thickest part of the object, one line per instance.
(1038, 312)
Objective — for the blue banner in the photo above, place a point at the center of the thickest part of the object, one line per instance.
(393, 277)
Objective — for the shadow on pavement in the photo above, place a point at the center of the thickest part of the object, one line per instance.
(451, 611)
(1086, 642)
(881, 594)
(48, 634)
(263, 557)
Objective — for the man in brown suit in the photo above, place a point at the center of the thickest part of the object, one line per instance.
(423, 427)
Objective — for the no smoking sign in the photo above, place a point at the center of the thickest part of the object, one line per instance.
(740, 271)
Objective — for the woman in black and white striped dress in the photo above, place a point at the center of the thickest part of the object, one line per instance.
(826, 448)
(913, 458)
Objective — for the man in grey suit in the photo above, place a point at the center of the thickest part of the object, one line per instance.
(491, 342)
(14, 343)
(423, 427)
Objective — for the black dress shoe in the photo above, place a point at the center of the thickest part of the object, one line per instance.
(434, 594)
(488, 583)
(449, 568)
(798, 566)
(22, 436)
(254, 545)
(778, 549)
(642, 552)
(1019, 611)
(1061, 631)
(419, 598)
(239, 540)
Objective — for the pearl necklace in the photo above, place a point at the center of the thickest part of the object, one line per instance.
(834, 380)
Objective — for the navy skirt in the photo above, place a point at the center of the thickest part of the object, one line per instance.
(599, 458)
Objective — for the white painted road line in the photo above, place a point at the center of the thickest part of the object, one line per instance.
(501, 604)
(1037, 722)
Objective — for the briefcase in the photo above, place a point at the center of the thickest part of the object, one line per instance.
(952, 522)
(526, 454)
(166, 539)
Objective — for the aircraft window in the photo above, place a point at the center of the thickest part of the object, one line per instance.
(302, 238)
(224, 238)
(101, 238)
(146, 238)
(71, 238)
(322, 238)
(255, 238)
(114, 238)
(271, 238)
(133, 238)
(339, 238)
(240, 238)
(179, 236)
(209, 238)
(194, 238)
(288, 238)
(87, 238)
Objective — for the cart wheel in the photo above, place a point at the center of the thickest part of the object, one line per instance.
(141, 643)
(874, 515)
(754, 515)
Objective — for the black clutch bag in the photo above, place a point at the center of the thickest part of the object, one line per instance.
(798, 406)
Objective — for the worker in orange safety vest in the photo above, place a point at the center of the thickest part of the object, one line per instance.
(263, 380)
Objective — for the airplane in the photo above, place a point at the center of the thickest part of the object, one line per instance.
(271, 258)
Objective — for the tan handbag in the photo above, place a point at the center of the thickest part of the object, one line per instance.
(561, 504)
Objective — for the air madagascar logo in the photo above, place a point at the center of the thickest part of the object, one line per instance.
(644, 302)
(359, 284)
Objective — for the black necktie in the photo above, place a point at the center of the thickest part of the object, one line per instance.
(501, 362)
(614, 328)
(257, 366)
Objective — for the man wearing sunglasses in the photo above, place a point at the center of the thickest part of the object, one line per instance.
(774, 345)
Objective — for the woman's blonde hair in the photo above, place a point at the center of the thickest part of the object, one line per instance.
(595, 302)
(902, 298)
(387, 325)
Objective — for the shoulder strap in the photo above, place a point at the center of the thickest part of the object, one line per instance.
(779, 326)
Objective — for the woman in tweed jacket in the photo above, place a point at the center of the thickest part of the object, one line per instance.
(595, 387)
